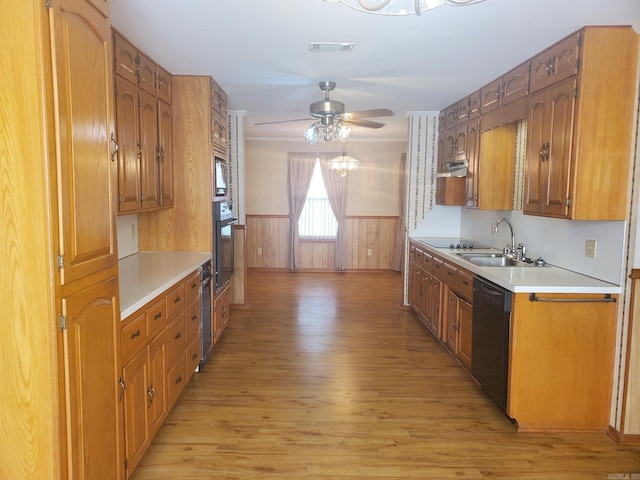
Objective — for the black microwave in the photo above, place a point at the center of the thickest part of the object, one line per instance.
(221, 177)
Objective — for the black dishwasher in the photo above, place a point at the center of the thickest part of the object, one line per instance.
(490, 339)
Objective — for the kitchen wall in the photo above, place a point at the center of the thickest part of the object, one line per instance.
(373, 204)
(127, 227)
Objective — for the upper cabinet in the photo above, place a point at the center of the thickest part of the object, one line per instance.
(580, 126)
(144, 130)
(219, 123)
(577, 99)
(556, 63)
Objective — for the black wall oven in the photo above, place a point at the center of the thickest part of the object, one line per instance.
(223, 221)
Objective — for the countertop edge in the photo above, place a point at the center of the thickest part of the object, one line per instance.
(140, 287)
(590, 284)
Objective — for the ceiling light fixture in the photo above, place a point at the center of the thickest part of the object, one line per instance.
(327, 132)
(401, 7)
(343, 164)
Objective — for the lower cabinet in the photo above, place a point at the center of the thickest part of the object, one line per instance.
(441, 295)
(160, 352)
(220, 312)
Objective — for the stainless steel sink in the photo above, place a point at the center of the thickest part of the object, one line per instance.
(492, 260)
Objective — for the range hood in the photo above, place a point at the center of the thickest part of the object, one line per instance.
(453, 169)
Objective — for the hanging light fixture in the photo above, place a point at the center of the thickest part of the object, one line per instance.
(327, 130)
(343, 164)
(401, 7)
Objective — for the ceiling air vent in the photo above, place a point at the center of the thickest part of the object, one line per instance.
(330, 47)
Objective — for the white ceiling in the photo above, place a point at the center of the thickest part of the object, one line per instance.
(258, 51)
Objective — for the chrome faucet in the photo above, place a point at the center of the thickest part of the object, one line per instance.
(509, 249)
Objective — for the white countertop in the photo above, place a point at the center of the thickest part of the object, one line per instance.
(145, 275)
(527, 279)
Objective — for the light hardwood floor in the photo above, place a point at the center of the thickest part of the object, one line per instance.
(325, 377)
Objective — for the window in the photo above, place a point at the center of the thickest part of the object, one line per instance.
(317, 220)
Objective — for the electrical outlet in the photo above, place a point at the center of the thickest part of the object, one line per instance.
(259, 251)
(133, 231)
(590, 248)
(369, 252)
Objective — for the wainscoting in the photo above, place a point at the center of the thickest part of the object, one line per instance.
(268, 234)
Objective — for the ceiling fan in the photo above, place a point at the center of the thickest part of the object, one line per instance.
(329, 112)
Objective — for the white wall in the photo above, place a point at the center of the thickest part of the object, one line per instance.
(127, 227)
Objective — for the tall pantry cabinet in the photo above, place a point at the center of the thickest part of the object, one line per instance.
(61, 415)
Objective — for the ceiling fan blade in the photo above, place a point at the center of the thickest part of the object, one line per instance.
(284, 121)
(376, 112)
(363, 123)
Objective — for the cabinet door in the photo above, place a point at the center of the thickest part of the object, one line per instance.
(451, 326)
(157, 388)
(464, 322)
(127, 123)
(435, 299)
(561, 111)
(125, 59)
(473, 154)
(462, 111)
(490, 96)
(164, 85)
(136, 403)
(475, 101)
(537, 152)
(147, 74)
(165, 150)
(461, 143)
(549, 144)
(555, 64)
(91, 371)
(82, 53)
(515, 84)
(148, 151)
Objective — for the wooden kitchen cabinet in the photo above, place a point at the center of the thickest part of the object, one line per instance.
(165, 154)
(220, 312)
(579, 129)
(145, 398)
(148, 151)
(561, 355)
(158, 344)
(144, 130)
(556, 63)
(441, 294)
(61, 354)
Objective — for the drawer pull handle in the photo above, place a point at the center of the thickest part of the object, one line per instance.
(179, 379)
(177, 299)
(135, 334)
(194, 318)
(157, 316)
(178, 335)
(194, 356)
(194, 285)
(464, 282)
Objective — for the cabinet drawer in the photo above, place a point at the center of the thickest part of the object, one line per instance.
(438, 268)
(192, 317)
(176, 380)
(176, 339)
(192, 287)
(465, 284)
(419, 254)
(156, 316)
(427, 261)
(134, 336)
(175, 300)
(192, 356)
(450, 275)
(412, 253)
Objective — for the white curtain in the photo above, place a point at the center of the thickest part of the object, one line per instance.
(300, 171)
(337, 192)
(401, 229)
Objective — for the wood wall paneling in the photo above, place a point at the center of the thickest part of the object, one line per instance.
(270, 233)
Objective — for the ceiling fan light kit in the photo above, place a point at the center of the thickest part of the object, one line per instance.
(401, 7)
